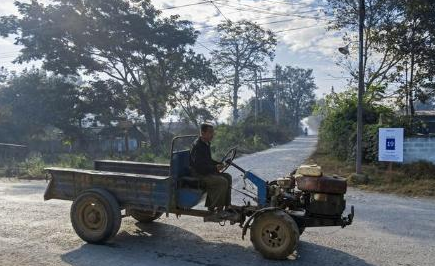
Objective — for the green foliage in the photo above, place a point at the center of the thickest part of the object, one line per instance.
(33, 166)
(337, 133)
(243, 47)
(74, 161)
(296, 88)
(146, 56)
(397, 46)
(248, 137)
(33, 101)
(296, 94)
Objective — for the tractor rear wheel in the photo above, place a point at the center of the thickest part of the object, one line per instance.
(95, 216)
(274, 234)
(145, 216)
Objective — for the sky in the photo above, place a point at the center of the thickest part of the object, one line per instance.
(300, 26)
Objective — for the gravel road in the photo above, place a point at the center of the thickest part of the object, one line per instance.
(388, 230)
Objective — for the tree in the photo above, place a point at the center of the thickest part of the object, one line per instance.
(297, 93)
(243, 48)
(193, 79)
(126, 41)
(34, 100)
(379, 57)
(416, 45)
(105, 101)
(398, 45)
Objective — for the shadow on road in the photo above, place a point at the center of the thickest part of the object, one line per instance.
(164, 244)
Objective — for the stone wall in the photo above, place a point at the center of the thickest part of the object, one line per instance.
(419, 148)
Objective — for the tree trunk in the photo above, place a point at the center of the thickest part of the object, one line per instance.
(156, 128)
(149, 123)
(411, 88)
(236, 97)
(150, 126)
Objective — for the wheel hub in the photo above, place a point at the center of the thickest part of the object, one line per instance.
(92, 216)
(273, 235)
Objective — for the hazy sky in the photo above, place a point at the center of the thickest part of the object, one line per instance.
(302, 39)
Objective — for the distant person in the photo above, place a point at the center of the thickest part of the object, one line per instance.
(218, 185)
(306, 131)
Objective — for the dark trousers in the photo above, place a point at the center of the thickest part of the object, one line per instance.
(218, 188)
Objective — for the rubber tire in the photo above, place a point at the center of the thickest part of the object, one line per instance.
(283, 219)
(113, 214)
(145, 216)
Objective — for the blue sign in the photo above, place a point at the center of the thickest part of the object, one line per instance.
(390, 144)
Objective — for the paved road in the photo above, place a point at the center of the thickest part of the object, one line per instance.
(388, 230)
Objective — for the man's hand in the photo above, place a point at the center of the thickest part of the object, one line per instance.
(219, 167)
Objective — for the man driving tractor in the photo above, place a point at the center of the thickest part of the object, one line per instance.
(217, 184)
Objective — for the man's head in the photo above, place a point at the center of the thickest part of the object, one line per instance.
(206, 132)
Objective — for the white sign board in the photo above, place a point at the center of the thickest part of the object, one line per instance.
(390, 145)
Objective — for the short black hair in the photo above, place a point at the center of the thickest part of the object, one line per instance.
(205, 127)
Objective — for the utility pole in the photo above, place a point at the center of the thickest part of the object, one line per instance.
(256, 97)
(406, 88)
(360, 89)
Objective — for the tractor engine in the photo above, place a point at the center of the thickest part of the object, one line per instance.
(307, 189)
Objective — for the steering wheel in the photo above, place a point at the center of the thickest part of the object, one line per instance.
(228, 159)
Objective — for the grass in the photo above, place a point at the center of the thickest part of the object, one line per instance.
(415, 179)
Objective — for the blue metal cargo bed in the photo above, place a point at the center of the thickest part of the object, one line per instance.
(152, 192)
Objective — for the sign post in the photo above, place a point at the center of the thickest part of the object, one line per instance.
(390, 147)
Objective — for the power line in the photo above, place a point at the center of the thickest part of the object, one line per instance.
(300, 28)
(288, 3)
(220, 11)
(201, 44)
(261, 18)
(266, 11)
(264, 23)
(254, 9)
(180, 6)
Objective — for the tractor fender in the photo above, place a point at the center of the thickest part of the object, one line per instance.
(256, 213)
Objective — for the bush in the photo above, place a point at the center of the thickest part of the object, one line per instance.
(33, 166)
(146, 157)
(337, 132)
(248, 137)
(75, 161)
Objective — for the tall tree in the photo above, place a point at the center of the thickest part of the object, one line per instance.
(243, 47)
(126, 41)
(297, 93)
(416, 45)
(399, 45)
(379, 57)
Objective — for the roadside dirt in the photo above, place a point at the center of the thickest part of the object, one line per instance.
(388, 230)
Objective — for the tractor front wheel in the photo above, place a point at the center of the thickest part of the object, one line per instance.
(274, 234)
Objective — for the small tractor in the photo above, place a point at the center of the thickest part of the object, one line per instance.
(282, 210)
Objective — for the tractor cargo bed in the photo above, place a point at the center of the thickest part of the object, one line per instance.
(142, 191)
(132, 167)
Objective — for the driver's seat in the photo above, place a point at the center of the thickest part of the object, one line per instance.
(189, 189)
(191, 182)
